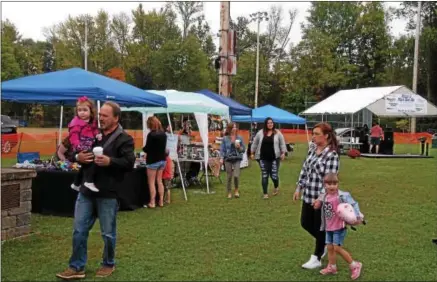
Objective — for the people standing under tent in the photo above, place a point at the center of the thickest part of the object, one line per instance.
(269, 149)
(155, 150)
(117, 159)
(376, 135)
(322, 158)
(82, 134)
(231, 154)
(185, 137)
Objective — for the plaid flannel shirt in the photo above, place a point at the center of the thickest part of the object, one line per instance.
(314, 170)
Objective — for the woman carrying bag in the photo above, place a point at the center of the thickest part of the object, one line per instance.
(231, 154)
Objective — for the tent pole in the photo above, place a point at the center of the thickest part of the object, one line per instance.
(177, 160)
(144, 122)
(98, 113)
(352, 128)
(60, 125)
(308, 137)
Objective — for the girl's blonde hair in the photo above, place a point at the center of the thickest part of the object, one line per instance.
(331, 178)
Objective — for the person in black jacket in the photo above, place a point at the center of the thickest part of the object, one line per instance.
(118, 157)
(156, 145)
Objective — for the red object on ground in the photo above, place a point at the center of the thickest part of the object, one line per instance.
(354, 153)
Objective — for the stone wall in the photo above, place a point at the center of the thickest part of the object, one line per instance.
(16, 202)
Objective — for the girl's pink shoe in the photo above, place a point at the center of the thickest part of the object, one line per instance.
(356, 270)
(329, 270)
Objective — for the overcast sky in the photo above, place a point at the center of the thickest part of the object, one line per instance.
(31, 17)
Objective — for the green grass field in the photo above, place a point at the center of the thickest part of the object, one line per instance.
(213, 238)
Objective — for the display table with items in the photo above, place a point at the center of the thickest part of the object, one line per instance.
(52, 194)
(192, 161)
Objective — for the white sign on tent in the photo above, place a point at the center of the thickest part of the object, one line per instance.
(172, 146)
(405, 103)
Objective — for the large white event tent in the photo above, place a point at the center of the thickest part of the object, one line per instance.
(390, 101)
(185, 102)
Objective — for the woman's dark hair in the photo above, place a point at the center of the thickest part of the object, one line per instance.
(229, 128)
(327, 130)
(265, 125)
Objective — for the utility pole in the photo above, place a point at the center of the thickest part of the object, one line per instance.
(258, 17)
(223, 50)
(257, 66)
(85, 48)
(416, 59)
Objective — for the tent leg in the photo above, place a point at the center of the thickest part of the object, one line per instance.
(352, 127)
(177, 160)
(182, 179)
(308, 137)
(98, 113)
(144, 120)
(60, 125)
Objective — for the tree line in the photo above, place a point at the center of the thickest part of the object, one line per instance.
(344, 45)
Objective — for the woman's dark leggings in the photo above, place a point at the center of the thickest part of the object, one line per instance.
(269, 168)
(310, 221)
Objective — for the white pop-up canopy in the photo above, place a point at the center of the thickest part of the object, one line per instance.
(391, 101)
(185, 102)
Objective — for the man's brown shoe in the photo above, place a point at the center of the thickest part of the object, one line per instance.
(71, 273)
(105, 271)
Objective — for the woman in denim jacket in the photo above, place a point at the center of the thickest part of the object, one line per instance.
(231, 154)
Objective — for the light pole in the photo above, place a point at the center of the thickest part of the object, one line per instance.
(258, 17)
(416, 58)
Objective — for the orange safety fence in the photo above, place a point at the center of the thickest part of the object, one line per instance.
(45, 141)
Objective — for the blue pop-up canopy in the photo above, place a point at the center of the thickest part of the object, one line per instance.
(66, 86)
(235, 108)
(278, 116)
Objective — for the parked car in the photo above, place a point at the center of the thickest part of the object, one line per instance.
(9, 134)
(345, 134)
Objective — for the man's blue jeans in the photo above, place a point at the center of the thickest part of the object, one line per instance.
(85, 214)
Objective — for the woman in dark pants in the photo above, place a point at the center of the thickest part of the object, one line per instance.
(322, 158)
(268, 149)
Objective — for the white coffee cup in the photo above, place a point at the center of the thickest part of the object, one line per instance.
(98, 151)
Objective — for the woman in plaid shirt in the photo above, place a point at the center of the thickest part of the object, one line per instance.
(322, 158)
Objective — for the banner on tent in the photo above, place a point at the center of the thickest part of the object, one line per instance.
(405, 103)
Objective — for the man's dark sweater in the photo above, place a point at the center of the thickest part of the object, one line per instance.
(109, 179)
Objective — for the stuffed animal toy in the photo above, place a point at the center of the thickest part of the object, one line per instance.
(75, 166)
(354, 153)
(346, 212)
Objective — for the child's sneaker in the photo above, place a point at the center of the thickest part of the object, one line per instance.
(330, 269)
(355, 269)
(91, 186)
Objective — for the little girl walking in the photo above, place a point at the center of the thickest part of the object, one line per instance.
(335, 227)
(83, 131)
